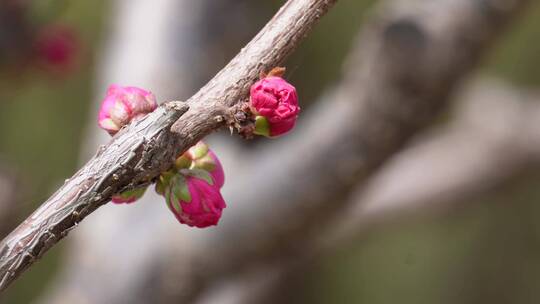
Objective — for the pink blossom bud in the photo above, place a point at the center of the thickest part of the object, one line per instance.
(192, 187)
(123, 104)
(194, 198)
(275, 103)
(129, 196)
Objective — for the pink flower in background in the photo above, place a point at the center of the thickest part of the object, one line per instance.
(57, 47)
(192, 187)
(123, 104)
(275, 103)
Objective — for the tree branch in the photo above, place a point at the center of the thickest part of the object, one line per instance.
(145, 148)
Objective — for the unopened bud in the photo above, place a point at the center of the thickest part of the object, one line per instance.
(275, 100)
(192, 187)
(123, 104)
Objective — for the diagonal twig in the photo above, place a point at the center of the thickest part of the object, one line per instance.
(138, 153)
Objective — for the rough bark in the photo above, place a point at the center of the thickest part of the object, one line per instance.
(139, 152)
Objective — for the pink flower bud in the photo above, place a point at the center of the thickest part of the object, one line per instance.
(129, 196)
(275, 103)
(123, 104)
(192, 187)
(194, 198)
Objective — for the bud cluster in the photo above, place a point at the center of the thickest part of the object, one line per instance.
(123, 104)
(192, 187)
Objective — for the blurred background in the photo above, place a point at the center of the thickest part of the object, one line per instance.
(56, 60)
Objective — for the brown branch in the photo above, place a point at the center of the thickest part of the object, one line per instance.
(138, 153)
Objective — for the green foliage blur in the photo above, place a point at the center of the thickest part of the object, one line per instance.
(487, 252)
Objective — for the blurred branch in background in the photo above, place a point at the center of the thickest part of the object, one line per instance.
(399, 77)
(10, 206)
(492, 141)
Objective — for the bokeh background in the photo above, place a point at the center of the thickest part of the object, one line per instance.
(51, 55)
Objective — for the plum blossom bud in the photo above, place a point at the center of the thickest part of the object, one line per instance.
(192, 188)
(275, 103)
(130, 196)
(123, 104)
(194, 198)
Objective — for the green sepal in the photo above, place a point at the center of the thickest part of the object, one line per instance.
(160, 187)
(206, 163)
(167, 196)
(137, 192)
(200, 174)
(166, 176)
(176, 206)
(174, 203)
(182, 162)
(163, 181)
(199, 150)
(262, 126)
(180, 189)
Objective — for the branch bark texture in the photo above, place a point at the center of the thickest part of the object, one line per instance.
(145, 148)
